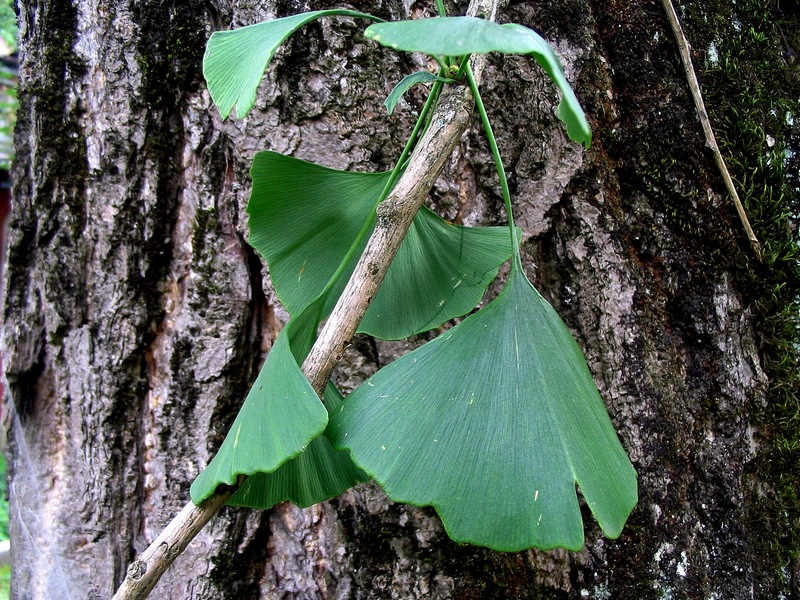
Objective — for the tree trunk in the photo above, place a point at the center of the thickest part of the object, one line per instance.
(137, 316)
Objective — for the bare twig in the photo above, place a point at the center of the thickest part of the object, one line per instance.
(711, 140)
(143, 573)
(448, 123)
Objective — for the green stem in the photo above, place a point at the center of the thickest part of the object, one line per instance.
(440, 8)
(498, 163)
(419, 129)
(445, 68)
(462, 67)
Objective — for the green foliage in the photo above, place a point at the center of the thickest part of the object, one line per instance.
(258, 444)
(444, 268)
(406, 84)
(297, 207)
(318, 473)
(495, 421)
(235, 61)
(754, 92)
(498, 448)
(8, 24)
(462, 36)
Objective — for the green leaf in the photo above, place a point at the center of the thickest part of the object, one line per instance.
(460, 36)
(440, 272)
(318, 473)
(493, 423)
(407, 83)
(304, 218)
(235, 60)
(569, 109)
(453, 36)
(278, 419)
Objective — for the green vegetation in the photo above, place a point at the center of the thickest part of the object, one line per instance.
(752, 86)
(8, 24)
(8, 84)
(497, 451)
(8, 109)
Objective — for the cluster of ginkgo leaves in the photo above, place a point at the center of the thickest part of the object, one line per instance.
(493, 422)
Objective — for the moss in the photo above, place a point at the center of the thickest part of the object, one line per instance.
(61, 138)
(752, 87)
(204, 260)
(49, 207)
(170, 50)
(745, 52)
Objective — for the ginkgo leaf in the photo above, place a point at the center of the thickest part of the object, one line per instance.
(493, 423)
(459, 36)
(278, 419)
(406, 84)
(235, 60)
(440, 272)
(305, 218)
(318, 473)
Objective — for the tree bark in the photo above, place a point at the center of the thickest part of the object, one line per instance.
(136, 314)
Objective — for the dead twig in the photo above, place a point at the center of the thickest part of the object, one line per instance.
(711, 140)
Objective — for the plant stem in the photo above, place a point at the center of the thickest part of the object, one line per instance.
(440, 8)
(442, 64)
(498, 163)
(462, 68)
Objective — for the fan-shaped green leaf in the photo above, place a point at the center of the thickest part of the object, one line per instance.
(407, 83)
(459, 36)
(278, 419)
(493, 423)
(453, 36)
(235, 60)
(304, 219)
(318, 473)
(440, 272)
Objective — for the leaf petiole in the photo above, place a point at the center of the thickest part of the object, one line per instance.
(498, 163)
(462, 67)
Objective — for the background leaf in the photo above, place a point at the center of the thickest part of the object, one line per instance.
(235, 60)
(459, 36)
(493, 423)
(303, 220)
(440, 272)
(318, 473)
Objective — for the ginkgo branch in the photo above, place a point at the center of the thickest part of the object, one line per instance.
(447, 124)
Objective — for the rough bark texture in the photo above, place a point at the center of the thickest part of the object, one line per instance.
(137, 315)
